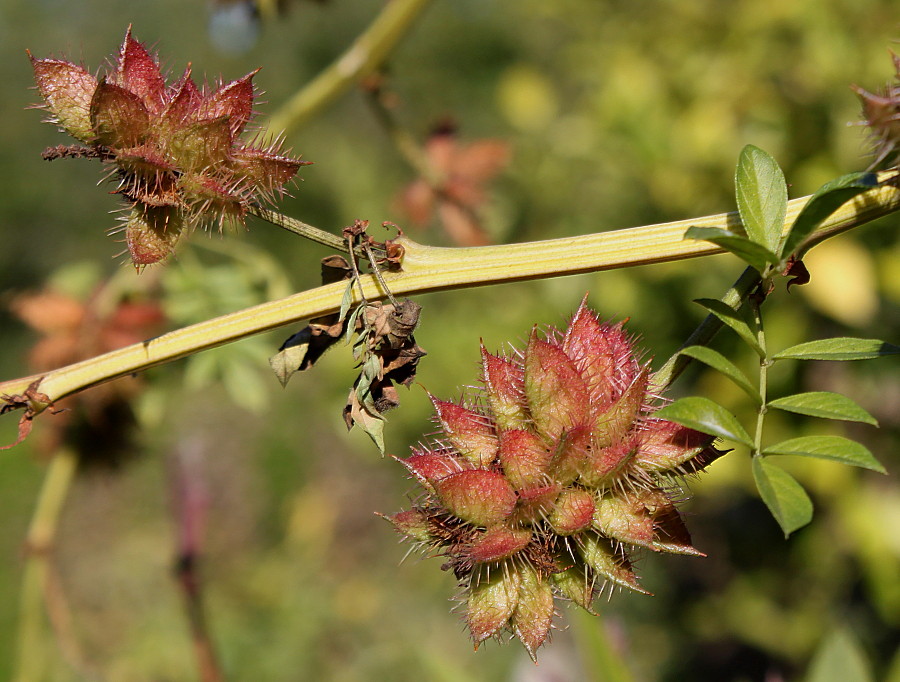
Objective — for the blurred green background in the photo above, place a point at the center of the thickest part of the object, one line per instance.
(617, 114)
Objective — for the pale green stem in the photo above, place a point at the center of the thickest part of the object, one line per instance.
(32, 652)
(365, 55)
(298, 227)
(428, 268)
(764, 364)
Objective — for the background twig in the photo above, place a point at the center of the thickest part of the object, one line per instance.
(369, 51)
(39, 584)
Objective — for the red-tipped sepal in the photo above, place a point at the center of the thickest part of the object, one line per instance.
(67, 90)
(533, 616)
(482, 498)
(469, 431)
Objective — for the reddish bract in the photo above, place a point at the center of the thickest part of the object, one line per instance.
(178, 159)
(542, 487)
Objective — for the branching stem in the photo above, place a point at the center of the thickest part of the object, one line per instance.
(428, 268)
(300, 228)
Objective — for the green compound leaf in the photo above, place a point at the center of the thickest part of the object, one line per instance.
(839, 348)
(761, 197)
(825, 201)
(824, 404)
(719, 362)
(733, 319)
(835, 448)
(705, 416)
(785, 498)
(750, 252)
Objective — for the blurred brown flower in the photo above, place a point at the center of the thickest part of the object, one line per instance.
(96, 422)
(456, 187)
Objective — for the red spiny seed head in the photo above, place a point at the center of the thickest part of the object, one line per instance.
(176, 146)
(881, 113)
(543, 487)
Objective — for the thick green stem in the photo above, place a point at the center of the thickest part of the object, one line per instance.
(428, 268)
(366, 54)
(707, 329)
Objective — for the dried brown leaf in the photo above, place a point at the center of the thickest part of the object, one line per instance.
(288, 361)
(32, 402)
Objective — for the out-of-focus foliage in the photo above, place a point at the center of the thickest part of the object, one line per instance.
(616, 114)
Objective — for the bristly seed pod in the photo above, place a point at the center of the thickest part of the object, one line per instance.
(175, 149)
(881, 113)
(542, 487)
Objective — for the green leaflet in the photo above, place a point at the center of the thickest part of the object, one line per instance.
(346, 300)
(835, 448)
(761, 197)
(785, 498)
(826, 200)
(719, 362)
(839, 658)
(706, 416)
(733, 319)
(287, 361)
(750, 252)
(824, 404)
(838, 348)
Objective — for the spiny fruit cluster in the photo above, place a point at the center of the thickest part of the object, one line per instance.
(881, 113)
(175, 148)
(542, 486)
